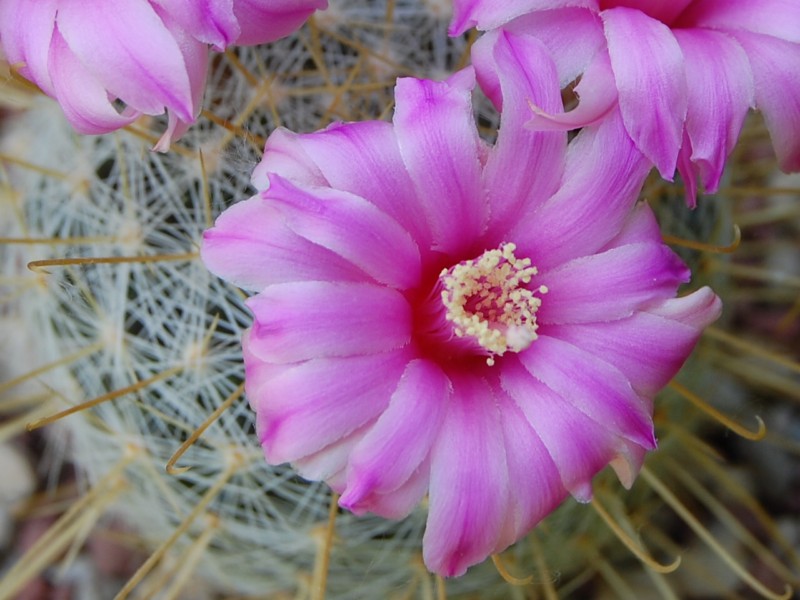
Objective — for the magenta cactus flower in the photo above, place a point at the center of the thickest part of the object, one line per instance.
(149, 55)
(683, 73)
(486, 325)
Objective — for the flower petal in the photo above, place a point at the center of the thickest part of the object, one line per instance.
(469, 481)
(490, 14)
(441, 149)
(649, 71)
(316, 319)
(602, 179)
(776, 71)
(208, 21)
(257, 373)
(284, 155)
(640, 227)
(594, 387)
(688, 170)
(572, 35)
(400, 441)
(699, 309)
(82, 97)
(524, 167)
(26, 29)
(628, 462)
(648, 349)
(352, 228)
(579, 446)
(610, 285)
(361, 158)
(720, 93)
(597, 92)
(777, 18)
(264, 21)
(251, 247)
(537, 487)
(195, 55)
(661, 10)
(399, 503)
(106, 36)
(324, 397)
(330, 463)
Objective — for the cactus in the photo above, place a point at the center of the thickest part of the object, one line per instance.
(117, 329)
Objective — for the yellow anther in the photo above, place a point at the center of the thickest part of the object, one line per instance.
(485, 299)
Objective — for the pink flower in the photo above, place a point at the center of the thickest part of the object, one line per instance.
(243, 22)
(90, 54)
(150, 55)
(485, 324)
(683, 72)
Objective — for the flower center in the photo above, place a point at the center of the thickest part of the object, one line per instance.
(486, 299)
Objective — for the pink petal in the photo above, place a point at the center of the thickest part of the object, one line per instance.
(537, 487)
(257, 373)
(283, 154)
(251, 247)
(628, 462)
(579, 446)
(597, 92)
(361, 158)
(330, 463)
(441, 149)
(469, 481)
(777, 18)
(82, 97)
(640, 227)
(312, 405)
(491, 14)
(174, 131)
(264, 21)
(661, 10)
(26, 29)
(352, 228)
(594, 387)
(573, 36)
(776, 71)
(106, 36)
(720, 94)
(195, 55)
(399, 503)
(315, 319)
(400, 441)
(524, 167)
(699, 309)
(208, 21)
(649, 71)
(610, 285)
(648, 349)
(602, 163)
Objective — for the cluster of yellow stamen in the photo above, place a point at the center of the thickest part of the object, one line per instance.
(486, 299)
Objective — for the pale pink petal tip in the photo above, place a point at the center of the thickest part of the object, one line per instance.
(403, 342)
